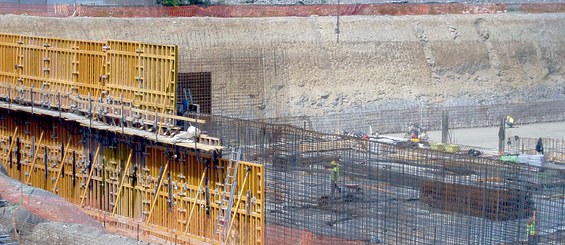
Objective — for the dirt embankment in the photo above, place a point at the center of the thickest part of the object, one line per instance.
(34, 216)
(295, 66)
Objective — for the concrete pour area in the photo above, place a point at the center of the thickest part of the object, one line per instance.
(488, 136)
(395, 214)
(385, 198)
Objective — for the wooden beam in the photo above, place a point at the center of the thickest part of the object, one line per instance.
(195, 199)
(156, 194)
(122, 183)
(188, 119)
(34, 157)
(89, 176)
(95, 103)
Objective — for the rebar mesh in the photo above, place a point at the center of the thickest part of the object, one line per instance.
(196, 88)
(392, 195)
(399, 119)
(237, 80)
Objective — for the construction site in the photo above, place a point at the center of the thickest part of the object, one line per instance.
(287, 124)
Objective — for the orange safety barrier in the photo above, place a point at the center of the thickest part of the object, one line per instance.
(274, 10)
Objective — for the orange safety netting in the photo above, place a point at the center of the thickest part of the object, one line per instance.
(43, 204)
(65, 10)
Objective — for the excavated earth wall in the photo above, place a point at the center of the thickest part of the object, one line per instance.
(299, 67)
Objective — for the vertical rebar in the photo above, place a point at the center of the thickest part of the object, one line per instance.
(444, 127)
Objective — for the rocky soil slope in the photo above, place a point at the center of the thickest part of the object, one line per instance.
(295, 66)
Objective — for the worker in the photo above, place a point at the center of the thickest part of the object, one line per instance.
(509, 121)
(539, 146)
(334, 175)
(365, 142)
(532, 229)
(413, 133)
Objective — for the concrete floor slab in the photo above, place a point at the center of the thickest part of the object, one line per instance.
(488, 137)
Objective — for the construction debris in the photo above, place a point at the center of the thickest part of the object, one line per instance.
(190, 135)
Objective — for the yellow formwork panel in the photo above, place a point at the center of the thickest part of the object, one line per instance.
(159, 74)
(164, 187)
(41, 151)
(197, 206)
(9, 38)
(150, 78)
(8, 49)
(122, 82)
(140, 73)
(90, 63)
(30, 51)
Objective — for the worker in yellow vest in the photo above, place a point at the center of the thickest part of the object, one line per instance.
(334, 175)
(532, 229)
(509, 121)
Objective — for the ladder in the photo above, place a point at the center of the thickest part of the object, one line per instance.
(226, 202)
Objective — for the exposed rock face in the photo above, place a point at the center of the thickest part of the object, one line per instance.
(279, 67)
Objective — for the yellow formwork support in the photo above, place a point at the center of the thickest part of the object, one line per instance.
(34, 157)
(236, 207)
(83, 197)
(121, 183)
(157, 193)
(62, 164)
(194, 203)
(186, 200)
